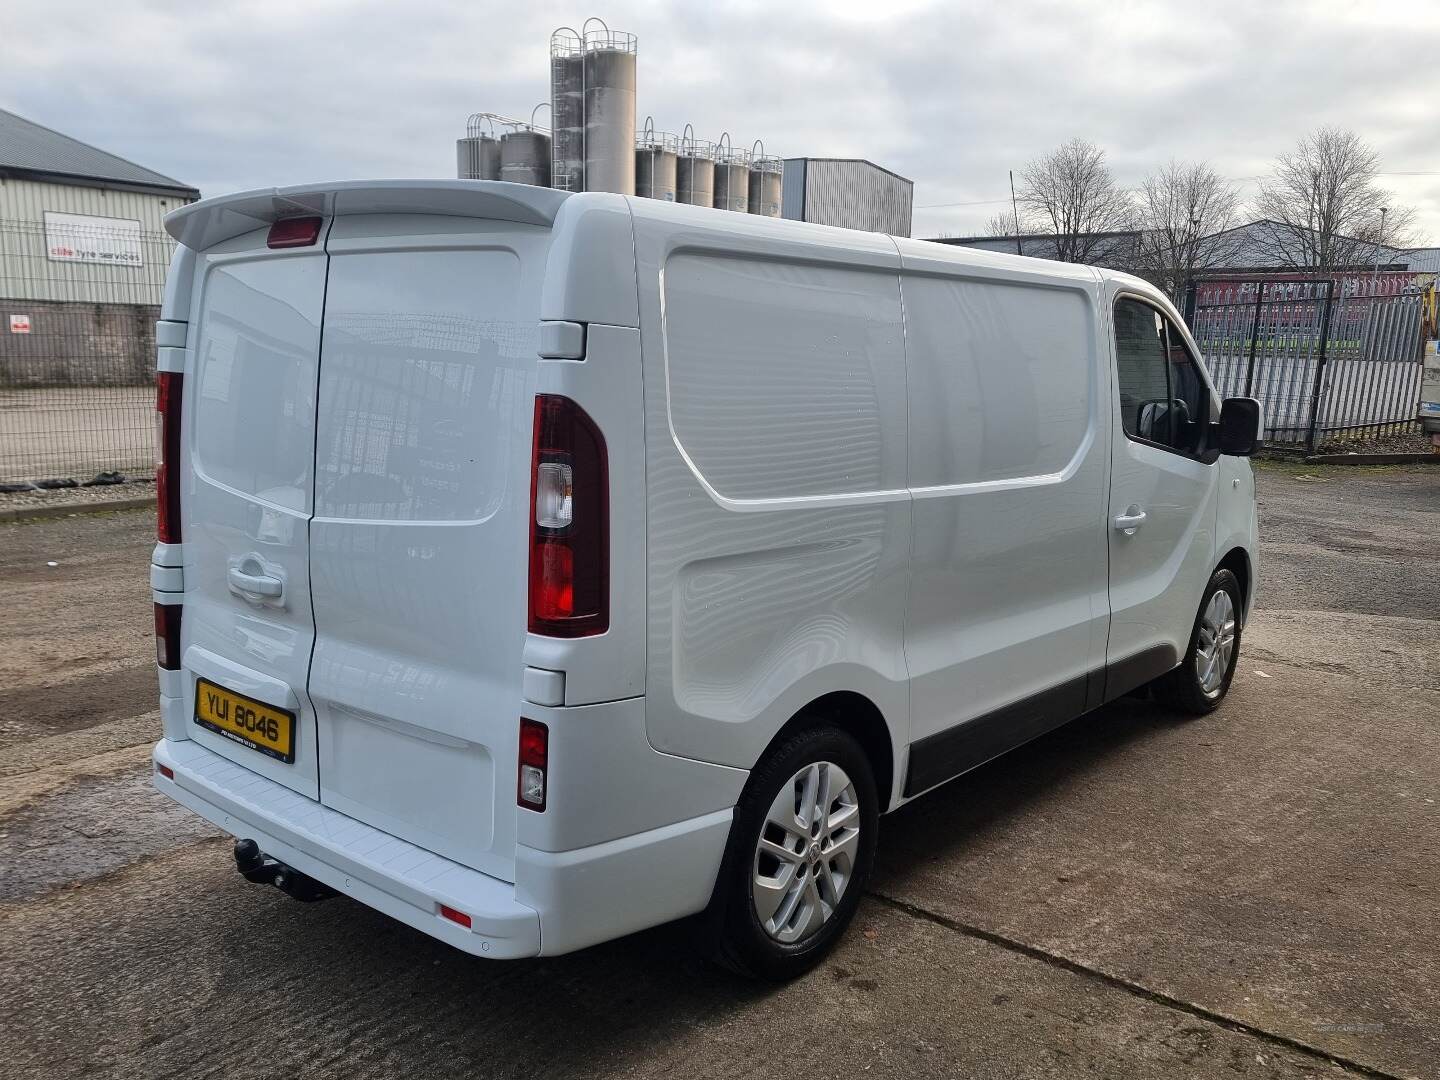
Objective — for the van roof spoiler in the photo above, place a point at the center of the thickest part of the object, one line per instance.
(211, 221)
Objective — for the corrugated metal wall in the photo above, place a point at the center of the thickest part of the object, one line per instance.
(853, 194)
(26, 273)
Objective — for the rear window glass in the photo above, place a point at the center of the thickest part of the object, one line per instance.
(426, 385)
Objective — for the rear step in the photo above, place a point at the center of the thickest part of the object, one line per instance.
(254, 865)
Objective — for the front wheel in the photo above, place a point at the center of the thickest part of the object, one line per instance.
(1201, 681)
(801, 846)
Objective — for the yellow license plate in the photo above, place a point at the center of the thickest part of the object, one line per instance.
(245, 721)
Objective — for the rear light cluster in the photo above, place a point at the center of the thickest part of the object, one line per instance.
(569, 523)
(169, 386)
(167, 636)
(534, 764)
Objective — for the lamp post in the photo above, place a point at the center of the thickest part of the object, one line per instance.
(1379, 239)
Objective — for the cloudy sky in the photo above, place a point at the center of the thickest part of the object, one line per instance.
(227, 95)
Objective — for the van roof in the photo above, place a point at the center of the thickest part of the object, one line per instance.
(212, 221)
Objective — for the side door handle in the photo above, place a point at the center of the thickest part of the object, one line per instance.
(1130, 520)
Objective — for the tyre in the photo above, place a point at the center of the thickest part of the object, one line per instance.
(801, 846)
(1201, 681)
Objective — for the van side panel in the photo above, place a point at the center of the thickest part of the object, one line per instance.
(1009, 466)
(779, 524)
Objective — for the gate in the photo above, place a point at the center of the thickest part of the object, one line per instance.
(1326, 357)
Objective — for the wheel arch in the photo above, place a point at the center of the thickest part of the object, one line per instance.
(860, 718)
(1237, 561)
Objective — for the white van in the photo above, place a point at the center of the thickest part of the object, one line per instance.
(535, 568)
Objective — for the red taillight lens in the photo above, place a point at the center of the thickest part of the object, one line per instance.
(169, 392)
(293, 232)
(534, 765)
(165, 771)
(454, 916)
(167, 636)
(569, 522)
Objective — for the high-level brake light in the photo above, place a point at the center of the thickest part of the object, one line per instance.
(293, 232)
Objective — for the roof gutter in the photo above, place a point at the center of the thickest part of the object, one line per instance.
(41, 176)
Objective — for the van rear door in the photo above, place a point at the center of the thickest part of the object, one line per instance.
(418, 543)
(246, 505)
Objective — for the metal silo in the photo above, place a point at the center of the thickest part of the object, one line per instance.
(478, 154)
(655, 153)
(767, 182)
(732, 177)
(695, 171)
(609, 83)
(567, 109)
(525, 157)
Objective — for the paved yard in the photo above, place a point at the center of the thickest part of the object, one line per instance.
(1252, 894)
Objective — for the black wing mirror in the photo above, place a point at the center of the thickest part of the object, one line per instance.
(1241, 426)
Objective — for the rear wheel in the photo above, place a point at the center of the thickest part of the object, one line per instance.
(1202, 680)
(801, 846)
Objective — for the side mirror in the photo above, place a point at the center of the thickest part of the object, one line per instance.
(1241, 426)
(1154, 418)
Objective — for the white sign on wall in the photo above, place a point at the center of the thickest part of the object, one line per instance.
(81, 238)
(19, 324)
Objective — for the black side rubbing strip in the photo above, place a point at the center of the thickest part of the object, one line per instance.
(936, 758)
(946, 754)
(1125, 675)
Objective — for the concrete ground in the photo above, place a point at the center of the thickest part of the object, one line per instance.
(1252, 894)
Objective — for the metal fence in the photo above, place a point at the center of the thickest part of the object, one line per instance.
(1327, 358)
(77, 352)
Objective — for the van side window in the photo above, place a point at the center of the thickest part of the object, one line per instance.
(1163, 398)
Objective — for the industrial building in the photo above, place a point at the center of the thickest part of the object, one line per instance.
(849, 192)
(83, 255)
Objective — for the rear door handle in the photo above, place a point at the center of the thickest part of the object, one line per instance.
(1130, 520)
(255, 584)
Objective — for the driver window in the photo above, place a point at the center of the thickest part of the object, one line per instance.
(1162, 396)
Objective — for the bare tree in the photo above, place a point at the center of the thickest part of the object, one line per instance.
(1323, 207)
(1001, 224)
(1184, 211)
(1071, 190)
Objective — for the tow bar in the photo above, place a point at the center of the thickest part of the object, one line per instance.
(254, 865)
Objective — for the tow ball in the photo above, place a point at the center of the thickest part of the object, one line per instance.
(254, 865)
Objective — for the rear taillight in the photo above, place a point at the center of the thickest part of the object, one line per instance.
(167, 636)
(169, 392)
(534, 765)
(569, 522)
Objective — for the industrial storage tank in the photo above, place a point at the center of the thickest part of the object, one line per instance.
(525, 157)
(732, 177)
(567, 109)
(609, 81)
(477, 157)
(767, 182)
(655, 156)
(695, 171)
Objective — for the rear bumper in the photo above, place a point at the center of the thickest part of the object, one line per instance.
(561, 901)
